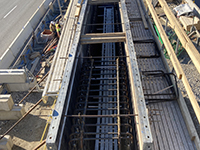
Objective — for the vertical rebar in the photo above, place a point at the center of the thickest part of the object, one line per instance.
(118, 105)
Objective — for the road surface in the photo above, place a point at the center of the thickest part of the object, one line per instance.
(13, 16)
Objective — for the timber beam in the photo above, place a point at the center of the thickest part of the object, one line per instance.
(94, 2)
(95, 38)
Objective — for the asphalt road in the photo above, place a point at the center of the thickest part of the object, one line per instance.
(13, 16)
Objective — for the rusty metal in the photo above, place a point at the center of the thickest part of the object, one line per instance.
(93, 57)
(168, 93)
(118, 106)
(40, 145)
(89, 102)
(99, 116)
(33, 88)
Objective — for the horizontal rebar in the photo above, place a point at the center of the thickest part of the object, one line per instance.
(92, 57)
(99, 116)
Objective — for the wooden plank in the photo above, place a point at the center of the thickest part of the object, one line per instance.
(68, 10)
(79, 3)
(102, 40)
(63, 49)
(57, 67)
(188, 121)
(78, 10)
(54, 137)
(175, 62)
(188, 22)
(103, 34)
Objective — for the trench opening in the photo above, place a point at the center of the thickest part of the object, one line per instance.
(100, 113)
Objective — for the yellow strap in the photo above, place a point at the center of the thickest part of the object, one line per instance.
(57, 28)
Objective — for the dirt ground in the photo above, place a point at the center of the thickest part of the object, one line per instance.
(27, 134)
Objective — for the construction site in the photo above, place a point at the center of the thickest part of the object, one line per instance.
(100, 75)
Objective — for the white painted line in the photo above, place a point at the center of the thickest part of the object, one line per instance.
(10, 12)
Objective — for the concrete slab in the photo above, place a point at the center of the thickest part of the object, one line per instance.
(12, 76)
(6, 102)
(6, 143)
(14, 114)
(21, 86)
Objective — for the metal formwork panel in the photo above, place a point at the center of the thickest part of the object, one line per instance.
(61, 55)
(145, 140)
(168, 128)
(54, 137)
(146, 49)
(139, 33)
(133, 10)
(149, 64)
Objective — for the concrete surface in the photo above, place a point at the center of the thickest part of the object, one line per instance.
(14, 114)
(12, 76)
(6, 102)
(14, 15)
(16, 87)
(6, 143)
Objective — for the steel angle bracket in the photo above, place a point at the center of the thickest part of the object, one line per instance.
(145, 139)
